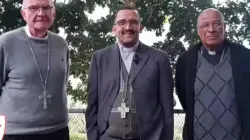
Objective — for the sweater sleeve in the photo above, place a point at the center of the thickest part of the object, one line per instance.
(68, 64)
(2, 67)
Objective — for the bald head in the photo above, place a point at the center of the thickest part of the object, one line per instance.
(26, 3)
(209, 11)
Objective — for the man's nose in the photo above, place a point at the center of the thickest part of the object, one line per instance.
(128, 25)
(40, 11)
(211, 28)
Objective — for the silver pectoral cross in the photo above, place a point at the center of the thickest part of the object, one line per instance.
(44, 97)
(123, 109)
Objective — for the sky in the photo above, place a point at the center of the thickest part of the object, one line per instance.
(147, 37)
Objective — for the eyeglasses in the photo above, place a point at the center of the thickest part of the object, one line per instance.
(34, 8)
(123, 23)
(206, 26)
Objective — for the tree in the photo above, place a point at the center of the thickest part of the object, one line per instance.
(85, 35)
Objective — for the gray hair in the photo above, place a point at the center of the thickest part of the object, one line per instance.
(211, 9)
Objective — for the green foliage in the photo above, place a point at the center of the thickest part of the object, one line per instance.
(86, 35)
(10, 17)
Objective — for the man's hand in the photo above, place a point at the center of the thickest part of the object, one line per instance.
(2, 126)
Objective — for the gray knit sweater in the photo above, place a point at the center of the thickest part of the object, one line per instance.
(21, 85)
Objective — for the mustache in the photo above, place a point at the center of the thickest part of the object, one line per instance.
(128, 31)
(41, 18)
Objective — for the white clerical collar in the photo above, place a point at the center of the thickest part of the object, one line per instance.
(211, 52)
(128, 49)
(219, 50)
(26, 28)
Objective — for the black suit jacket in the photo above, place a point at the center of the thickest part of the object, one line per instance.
(153, 88)
(185, 78)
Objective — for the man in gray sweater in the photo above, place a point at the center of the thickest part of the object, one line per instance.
(33, 77)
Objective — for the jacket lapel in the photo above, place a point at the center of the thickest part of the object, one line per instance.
(191, 67)
(142, 57)
(114, 64)
(236, 63)
(240, 87)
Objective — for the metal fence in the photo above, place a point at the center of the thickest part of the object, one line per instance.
(78, 131)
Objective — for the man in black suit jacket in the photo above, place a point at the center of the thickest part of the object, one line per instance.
(130, 87)
(213, 84)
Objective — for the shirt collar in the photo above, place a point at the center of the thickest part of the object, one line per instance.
(26, 28)
(218, 50)
(128, 49)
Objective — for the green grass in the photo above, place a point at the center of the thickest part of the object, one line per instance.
(178, 126)
(74, 136)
